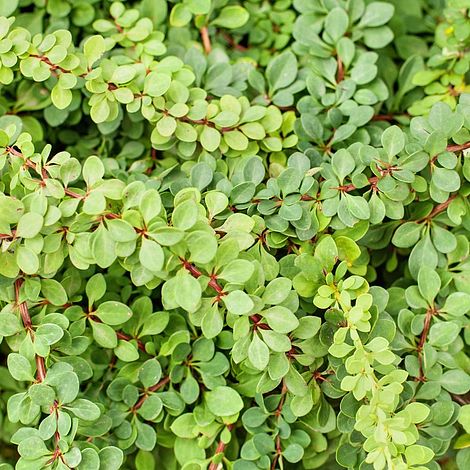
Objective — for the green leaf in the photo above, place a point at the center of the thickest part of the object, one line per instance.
(258, 353)
(223, 401)
(445, 179)
(19, 367)
(150, 205)
(281, 319)
(238, 302)
(231, 17)
(393, 141)
(93, 170)
(377, 14)
(238, 271)
(185, 214)
(110, 458)
(27, 260)
(277, 291)
(126, 351)
(94, 48)
(443, 334)
(418, 455)
(189, 292)
(113, 313)
(210, 138)
(54, 292)
(281, 71)
(336, 23)
(458, 304)
(150, 372)
(343, 164)
(151, 255)
(429, 284)
(455, 381)
(104, 335)
(29, 225)
(84, 409)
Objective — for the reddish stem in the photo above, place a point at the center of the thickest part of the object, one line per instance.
(125, 337)
(206, 41)
(26, 318)
(153, 388)
(196, 274)
(219, 450)
(340, 70)
(458, 148)
(427, 325)
(437, 209)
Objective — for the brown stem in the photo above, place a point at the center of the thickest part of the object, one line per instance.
(125, 337)
(340, 70)
(55, 67)
(278, 413)
(350, 187)
(437, 209)
(196, 274)
(153, 388)
(232, 42)
(422, 341)
(206, 41)
(26, 318)
(73, 194)
(256, 319)
(462, 399)
(458, 148)
(219, 450)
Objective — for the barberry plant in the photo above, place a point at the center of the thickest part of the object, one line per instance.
(234, 235)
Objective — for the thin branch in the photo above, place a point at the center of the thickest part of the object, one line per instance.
(126, 337)
(340, 70)
(437, 209)
(213, 278)
(206, 41)
(232, 43)
(278, 413)
(219, 450)
(26, 318)
(151, 389)
(458, 148)
(422, 341)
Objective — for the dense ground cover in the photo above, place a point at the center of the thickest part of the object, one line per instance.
(234, 235)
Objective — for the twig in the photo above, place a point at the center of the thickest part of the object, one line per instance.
(125, 337)
(219, 450)
(26, 318)
(458, 148)
(278, 413)
(422, 341)
(206, 41)
(460, 399)
(151, 389)
(232, 42)
(437, 209)
(212, 281)
(340, 70)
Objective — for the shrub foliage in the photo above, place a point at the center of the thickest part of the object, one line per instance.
(234, 234)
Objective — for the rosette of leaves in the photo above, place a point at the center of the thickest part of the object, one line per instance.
(319, 27)
(342, 82)
(282, 81)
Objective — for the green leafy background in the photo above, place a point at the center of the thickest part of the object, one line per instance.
(234, 235)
